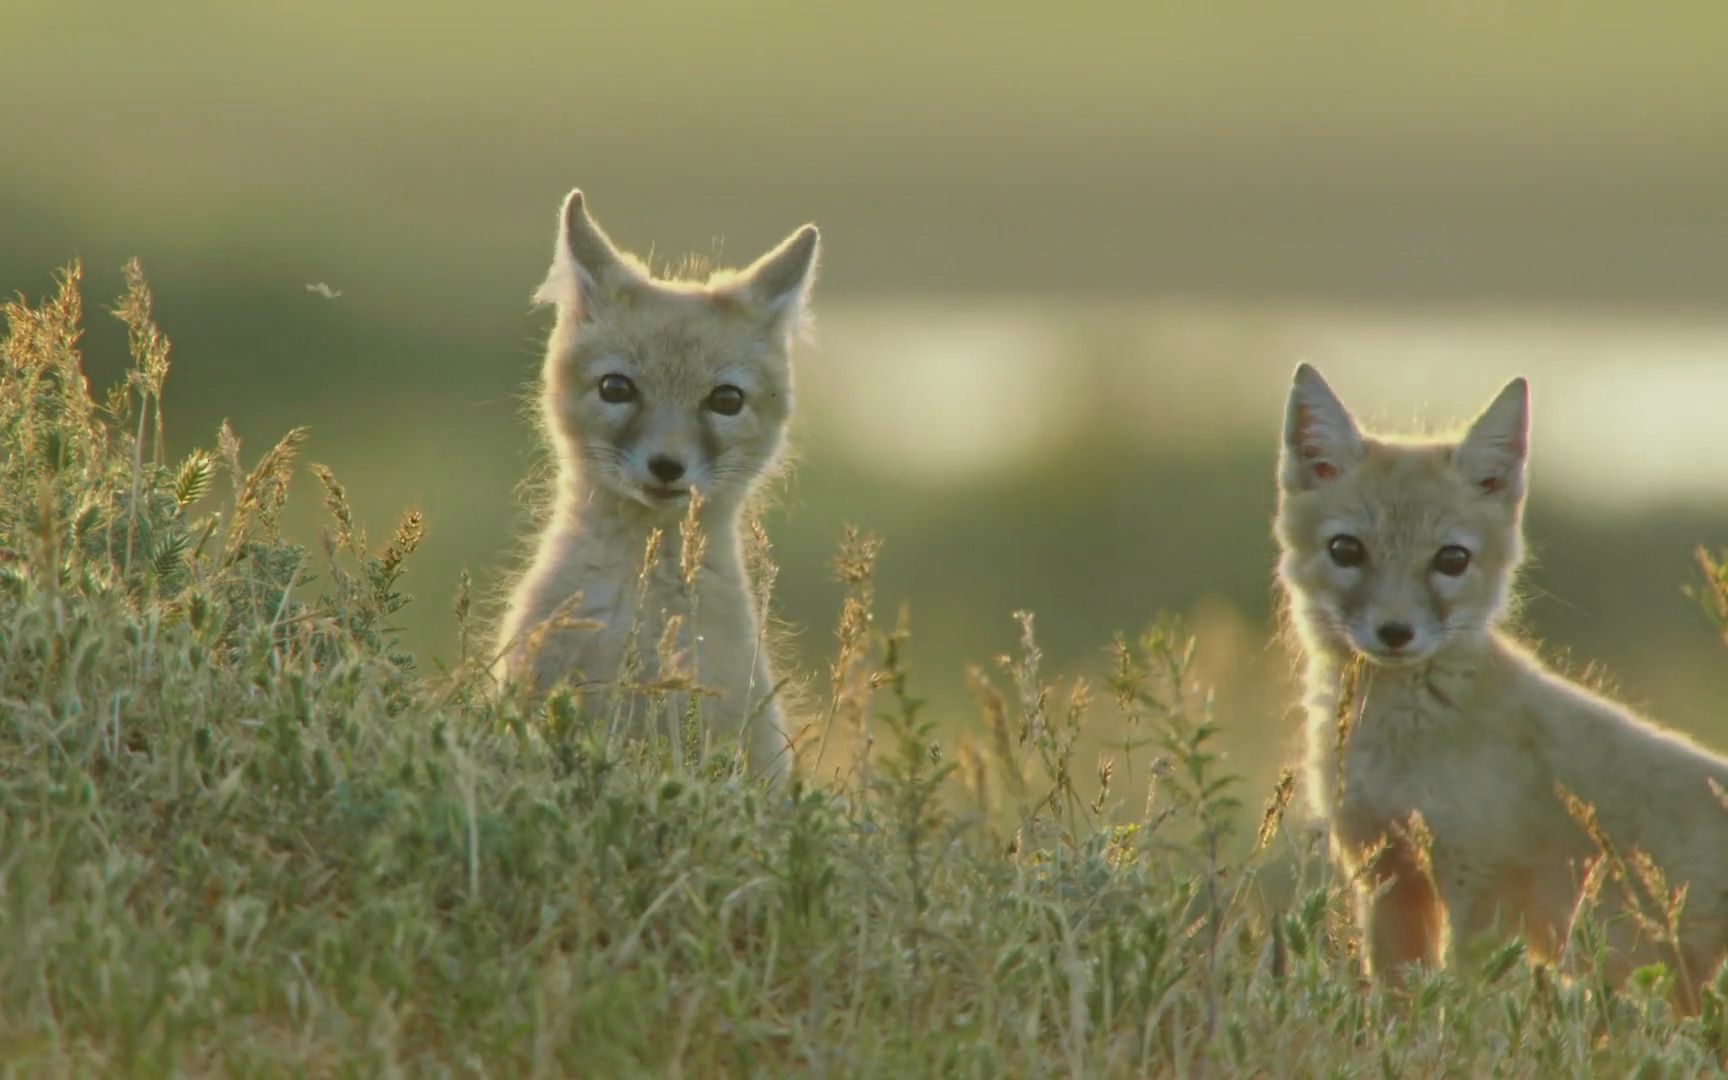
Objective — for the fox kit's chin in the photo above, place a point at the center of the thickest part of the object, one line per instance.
(662, 497)
(1396, 658)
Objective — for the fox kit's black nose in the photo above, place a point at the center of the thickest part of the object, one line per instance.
(1395, 635)
(665, 469)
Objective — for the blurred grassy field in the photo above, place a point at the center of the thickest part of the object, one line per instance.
(1069, 265)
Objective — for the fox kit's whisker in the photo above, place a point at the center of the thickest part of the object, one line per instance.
(1402, 553)
(661, 399)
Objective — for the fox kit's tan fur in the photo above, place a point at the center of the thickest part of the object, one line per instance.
(653, 389)
(1398, 554)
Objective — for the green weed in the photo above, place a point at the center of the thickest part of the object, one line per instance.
(240, 832)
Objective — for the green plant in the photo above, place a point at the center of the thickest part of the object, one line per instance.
(240, 833)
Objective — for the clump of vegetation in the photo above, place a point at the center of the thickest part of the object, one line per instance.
(1712, 595)
(239, 832)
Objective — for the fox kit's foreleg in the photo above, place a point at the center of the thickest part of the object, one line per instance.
(1400, 914)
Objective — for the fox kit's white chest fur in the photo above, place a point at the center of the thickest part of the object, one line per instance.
(658, 394)
(595, 578)
(1443, 796)
(1409, 746)
(1444, 756)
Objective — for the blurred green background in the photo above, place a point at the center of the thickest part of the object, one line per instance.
(1071, 257)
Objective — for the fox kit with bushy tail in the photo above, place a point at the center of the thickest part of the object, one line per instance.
(1438, 749)
(658, 394)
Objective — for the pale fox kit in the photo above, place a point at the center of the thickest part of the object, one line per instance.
(655, 389)
(1398, 554)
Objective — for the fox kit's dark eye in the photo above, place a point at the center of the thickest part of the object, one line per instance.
(617, 389)
(727, 400)
(1346, 550)
(1452, 560)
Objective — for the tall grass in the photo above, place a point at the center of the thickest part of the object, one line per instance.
(240, 833)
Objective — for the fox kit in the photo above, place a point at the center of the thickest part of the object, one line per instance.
(1397, 554)
(656, 392)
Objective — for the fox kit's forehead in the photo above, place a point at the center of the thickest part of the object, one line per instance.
(1409, 487)
(679, 339)
(1405, 495)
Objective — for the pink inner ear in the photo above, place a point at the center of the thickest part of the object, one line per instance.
(1317, 462)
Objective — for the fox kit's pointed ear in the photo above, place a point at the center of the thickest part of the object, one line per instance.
(582, 257)
(1493, 452)
(1320, 439)
(778, 284)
